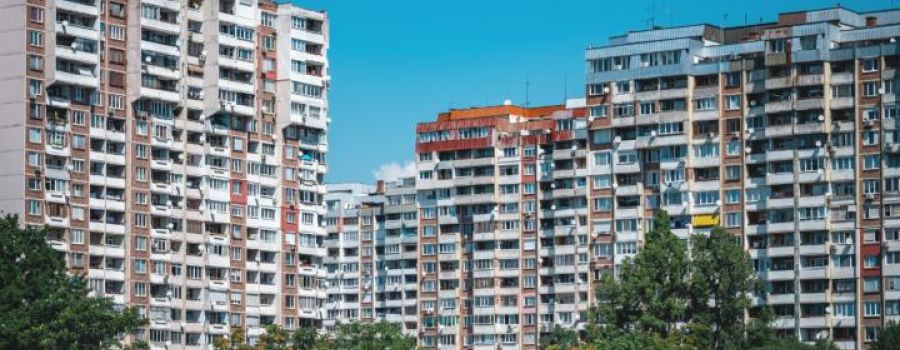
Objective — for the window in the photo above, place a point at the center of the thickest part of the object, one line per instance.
(34, 136)
(598, 111)
(732, 172)
(116, 32)
(35, 38)
(647, 108)
(626, 248)
(845, 309)
(705, 104)
(777, 45)
(732, 102)
(872, 309)
(34, 207)
(623, 110)
(36, 14)
(732, 196)
(842, 163)
(707, 197)
(267, 19)
(870, 88)
(733, 219)
(872, 161)
(870, 65)
(35, 87)
(35, 62)
(117, 102)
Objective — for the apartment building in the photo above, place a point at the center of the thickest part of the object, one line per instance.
(371, 254)
(784, 133)
(176, 152)
(504, 233)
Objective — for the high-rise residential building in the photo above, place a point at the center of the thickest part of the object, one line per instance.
(371, 254)
(784, 133)
(176, 152)
(504, 234)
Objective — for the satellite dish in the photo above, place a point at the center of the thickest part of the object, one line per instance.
(507, 102)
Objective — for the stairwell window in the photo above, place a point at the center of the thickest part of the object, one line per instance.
(870, 65)
(777, 45)
(732, 102)
(705, 104)
(872, 309)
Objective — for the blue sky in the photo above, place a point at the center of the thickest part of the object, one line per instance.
(397, 63)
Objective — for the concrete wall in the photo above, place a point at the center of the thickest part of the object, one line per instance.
(13, 104)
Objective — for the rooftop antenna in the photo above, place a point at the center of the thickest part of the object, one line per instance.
(565, 87)
(669, 12)
(724, 19)
(650, 20)
(526, 92)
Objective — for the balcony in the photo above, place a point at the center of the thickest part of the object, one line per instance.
(162, 26)
(87, 7)
(76, 31)
(79, 79)
(778, 106)
(68, 53)
(155, 92)
(170, 50)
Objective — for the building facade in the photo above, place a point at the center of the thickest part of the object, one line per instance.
(176, 152)
(371, 257)
(504, 234)
(784, 133)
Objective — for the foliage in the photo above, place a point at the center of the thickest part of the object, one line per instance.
(888, 338)
(305, 338)
(368, 336)
(665, 298)
(616, 339)
(559, 339)
(651, 292)
(793, 344)
(352, 336)
(721, 282)
(44, 308)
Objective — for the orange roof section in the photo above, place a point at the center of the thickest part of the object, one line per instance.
(499, 111)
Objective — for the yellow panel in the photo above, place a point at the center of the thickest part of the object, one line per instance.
(706, 220)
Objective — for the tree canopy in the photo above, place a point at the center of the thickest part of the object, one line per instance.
(677, 294)
(350, 336)
(42, 307)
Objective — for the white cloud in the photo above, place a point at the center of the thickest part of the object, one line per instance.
(393, 171)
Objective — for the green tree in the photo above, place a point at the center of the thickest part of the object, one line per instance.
(888, 338)
(617, 339)
(305, 338)
(235, 341)
(368, 336)
(652, 291)
(794, 344)
(274, 338)
(559, 339)
(42, 307)
(721, 282)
